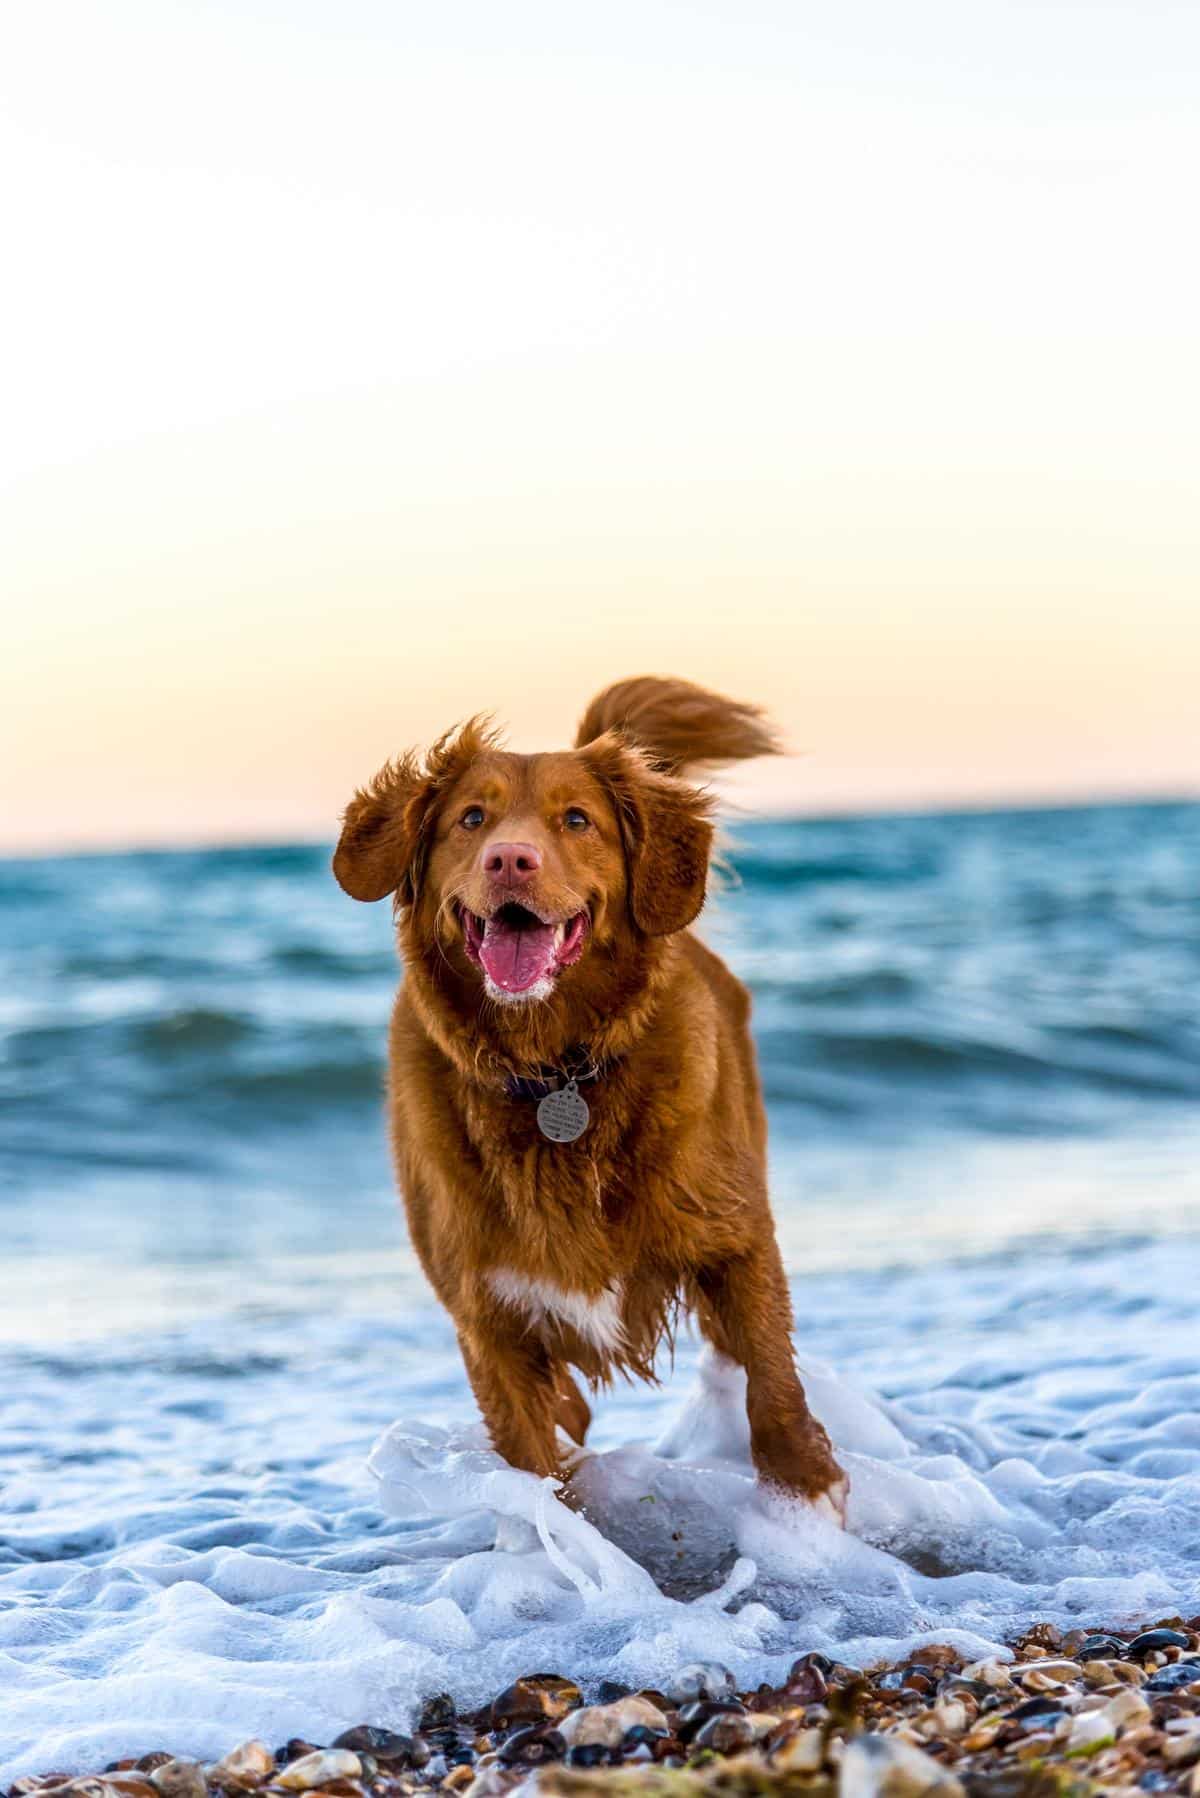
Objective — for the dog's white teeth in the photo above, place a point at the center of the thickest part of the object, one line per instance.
(560, 931)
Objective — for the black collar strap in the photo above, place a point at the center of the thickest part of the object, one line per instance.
(576, 1064)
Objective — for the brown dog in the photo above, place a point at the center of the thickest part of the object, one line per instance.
(543, 904)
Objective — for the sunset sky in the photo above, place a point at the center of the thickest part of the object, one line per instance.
(366, 365)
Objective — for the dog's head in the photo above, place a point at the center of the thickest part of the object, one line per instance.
(518, 868)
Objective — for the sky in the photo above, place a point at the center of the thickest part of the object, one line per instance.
(369, 365)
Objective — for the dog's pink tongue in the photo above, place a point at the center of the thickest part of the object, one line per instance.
(516, 959)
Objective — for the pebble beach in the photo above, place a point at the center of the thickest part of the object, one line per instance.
(1066, 1714)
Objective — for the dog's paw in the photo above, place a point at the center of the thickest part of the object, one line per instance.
(833, 1501)
(788, 1501)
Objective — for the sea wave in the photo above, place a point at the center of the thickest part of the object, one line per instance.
(1003, 970)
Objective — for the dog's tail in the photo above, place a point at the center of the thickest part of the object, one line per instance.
(678, 725)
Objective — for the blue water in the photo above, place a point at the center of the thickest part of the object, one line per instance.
(979, 1041)
(191, 1043)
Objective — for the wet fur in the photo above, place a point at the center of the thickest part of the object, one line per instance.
(665, 1193)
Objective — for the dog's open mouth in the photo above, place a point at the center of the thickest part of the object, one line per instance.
(516, 948)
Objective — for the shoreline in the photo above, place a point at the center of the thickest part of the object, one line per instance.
(1072, 1713)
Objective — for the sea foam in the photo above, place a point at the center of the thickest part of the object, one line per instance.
(197, 1551)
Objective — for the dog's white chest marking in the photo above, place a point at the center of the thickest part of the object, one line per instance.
(597, 1320)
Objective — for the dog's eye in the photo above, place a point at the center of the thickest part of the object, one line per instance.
(472, 818)
(574, 819)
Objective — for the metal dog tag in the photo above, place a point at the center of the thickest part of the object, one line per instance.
(562, 1116)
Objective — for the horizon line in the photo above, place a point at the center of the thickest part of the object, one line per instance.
(731, 810)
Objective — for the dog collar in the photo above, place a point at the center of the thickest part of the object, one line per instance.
(576, 1065)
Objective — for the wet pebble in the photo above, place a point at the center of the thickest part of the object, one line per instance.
(950, 1718)
(1047, 1675)
(701, 1679)
(806, 1682)
(387, 1746)
(1040, 1705)
(693, 1717)
(885, 1767)
(318, 1768)
(449, 1741)
(1100, 1648)
(726, 1732)
(458, 1778)
(178, 1779)
(1111, 1673)
(1036, 1714)
(1173, 1676)
(529, 1747)
(1128, 1710)
(244, 1767)
(1181, 1747)
(802, 1751)
(913, 1678)
(1152, 1641)
(1088, 1730)
(86, 1786)
(607, 1724)
(588, 1754)
(640, 1735)
(539, 1697)
(995, 1673)
(436, 1713)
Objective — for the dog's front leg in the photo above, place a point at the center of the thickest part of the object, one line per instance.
(518, 1389)
(745, 1312)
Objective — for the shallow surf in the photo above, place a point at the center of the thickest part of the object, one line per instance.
(218, 1530)
(978, 1042)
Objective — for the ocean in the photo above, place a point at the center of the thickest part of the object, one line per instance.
(243, 1489)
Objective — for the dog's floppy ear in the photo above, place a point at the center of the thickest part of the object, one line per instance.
(667, 830)
(378, 849)
(386, 826)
